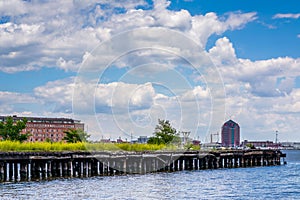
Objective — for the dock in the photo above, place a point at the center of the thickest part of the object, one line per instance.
(36, 166)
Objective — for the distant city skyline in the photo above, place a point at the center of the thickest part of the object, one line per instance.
(119, 66)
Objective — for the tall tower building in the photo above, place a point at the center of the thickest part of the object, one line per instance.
(230, 134)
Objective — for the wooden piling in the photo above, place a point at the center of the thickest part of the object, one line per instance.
(15, 166)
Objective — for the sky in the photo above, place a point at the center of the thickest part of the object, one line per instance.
(119, 66)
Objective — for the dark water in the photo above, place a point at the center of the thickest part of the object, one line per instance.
(278, 182)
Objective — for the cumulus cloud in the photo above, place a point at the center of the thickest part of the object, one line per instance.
(13, 97)
(61, 36)
(126, 107)
(260, 94)
(267, 78)
(14, 102)
(223, 52)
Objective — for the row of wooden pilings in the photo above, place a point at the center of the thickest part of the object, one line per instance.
(16, 166)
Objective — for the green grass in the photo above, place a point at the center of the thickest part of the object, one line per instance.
(6, 146)
(40, 146)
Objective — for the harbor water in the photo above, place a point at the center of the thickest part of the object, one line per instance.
(275, 182)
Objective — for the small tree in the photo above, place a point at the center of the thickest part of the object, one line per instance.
(76, 135)
(10, 130)
(164, 133)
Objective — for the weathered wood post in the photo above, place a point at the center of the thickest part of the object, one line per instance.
(11, 171)
(2, 171)
(43, 171)
(60, 168)
(32, 170)
(16, 171)
(94, 167)
(5, 171)
(216, 162)
(70, 168)
(140, 165)
(23, 171)
(49, 168)
(111, 166)
(89, 167)
(53, 168)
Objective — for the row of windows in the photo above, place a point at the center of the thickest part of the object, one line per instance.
(45, 139)
(43, 130)
(51, 125)
(47, 135)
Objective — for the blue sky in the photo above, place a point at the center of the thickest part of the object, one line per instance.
(67, 59)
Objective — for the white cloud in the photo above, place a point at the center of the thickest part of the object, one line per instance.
(14, 102)
(204, 26)
(261, 94)
(12, 7)
(196, 94)
(287, 15)
(61, 36)
(121, 108)
(289, 103)
(13, 97)
(223, 52)
(272, 77)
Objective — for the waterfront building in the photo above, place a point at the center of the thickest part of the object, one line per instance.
(260, 144)
(143, 139)
(210, 146)
(47, 129)
(230, 134)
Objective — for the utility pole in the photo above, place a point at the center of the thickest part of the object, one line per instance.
(276, 138)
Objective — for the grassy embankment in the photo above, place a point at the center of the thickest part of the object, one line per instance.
(6, 146)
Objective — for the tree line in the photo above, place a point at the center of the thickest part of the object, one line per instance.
(11, 130)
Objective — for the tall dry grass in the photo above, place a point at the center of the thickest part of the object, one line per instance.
(6, 146)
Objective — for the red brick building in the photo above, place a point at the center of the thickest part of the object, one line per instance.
(230, 134)
(42, 129)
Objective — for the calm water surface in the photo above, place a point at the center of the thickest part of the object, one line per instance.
(278, 182)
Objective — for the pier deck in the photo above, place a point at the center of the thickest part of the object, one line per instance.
(32, 166)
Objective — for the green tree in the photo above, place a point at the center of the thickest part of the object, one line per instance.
(164, 133)
(76, 135)
(10, 130)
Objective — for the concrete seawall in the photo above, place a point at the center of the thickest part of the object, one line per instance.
(32, 166)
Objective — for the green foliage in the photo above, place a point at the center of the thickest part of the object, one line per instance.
(192, 147)
(250, 145)
(76, 135)
(10, 130)
(140, 147)
(164, 134)
(40, 146)
(79, 146)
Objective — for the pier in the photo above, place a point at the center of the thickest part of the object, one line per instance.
(35, 166)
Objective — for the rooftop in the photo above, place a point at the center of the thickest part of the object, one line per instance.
(42, 119)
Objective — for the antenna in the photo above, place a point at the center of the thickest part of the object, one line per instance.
(276, 138)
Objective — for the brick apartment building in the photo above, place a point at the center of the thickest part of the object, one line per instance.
(42, 129)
